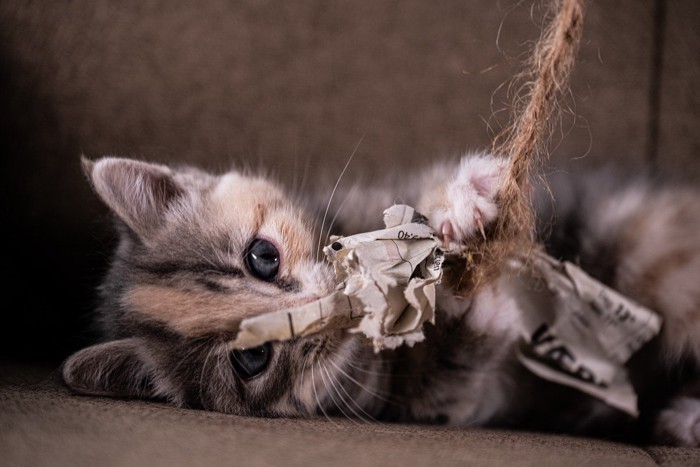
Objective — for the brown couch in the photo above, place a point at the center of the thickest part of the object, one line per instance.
(42, 424)
(291, 87)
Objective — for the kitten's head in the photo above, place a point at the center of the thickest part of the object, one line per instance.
(197, 254)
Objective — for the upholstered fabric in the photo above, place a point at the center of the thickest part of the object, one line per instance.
(41, 423)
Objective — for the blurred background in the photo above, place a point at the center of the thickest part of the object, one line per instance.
(292, 87)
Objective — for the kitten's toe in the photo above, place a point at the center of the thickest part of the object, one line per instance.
(679, 424)
(453, 235)
(469, 205)
(446, 232)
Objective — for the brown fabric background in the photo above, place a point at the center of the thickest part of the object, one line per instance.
(290, 87)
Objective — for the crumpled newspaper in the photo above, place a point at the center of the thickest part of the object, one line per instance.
(577, 331)
(386, 289)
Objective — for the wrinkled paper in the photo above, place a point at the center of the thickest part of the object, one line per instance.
(579, 332)
(387, 288)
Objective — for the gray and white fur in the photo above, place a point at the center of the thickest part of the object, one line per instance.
(199, 252)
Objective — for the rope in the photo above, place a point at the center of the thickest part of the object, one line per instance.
(525, 142)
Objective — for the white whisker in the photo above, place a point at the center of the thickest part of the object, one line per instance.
(334, 386)
(361, 386)
(330, 200)
(185, 358)
(337, 212)
(201, 373)
(330, 394)
(368, 372)
(364, 387)
(318, 400)
(304, 365)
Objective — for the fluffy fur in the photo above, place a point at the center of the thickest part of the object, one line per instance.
(179, 285)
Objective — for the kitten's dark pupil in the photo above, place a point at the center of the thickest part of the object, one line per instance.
(337, 246)
(249, 363)
(263, 260)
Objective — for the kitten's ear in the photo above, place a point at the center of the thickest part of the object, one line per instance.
(118, 368)
(138, 192)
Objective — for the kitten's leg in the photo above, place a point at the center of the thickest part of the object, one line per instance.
(458, 199)
(460, 205)
(679, 423)
(462, 201)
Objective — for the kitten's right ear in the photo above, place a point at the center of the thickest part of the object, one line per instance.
(138, 192)
(119, 368)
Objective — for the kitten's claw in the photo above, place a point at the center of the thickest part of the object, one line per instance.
(462, 208)
(447, 233)
(481, 226)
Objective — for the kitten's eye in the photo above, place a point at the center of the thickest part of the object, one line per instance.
(249, 363)
(262, 260)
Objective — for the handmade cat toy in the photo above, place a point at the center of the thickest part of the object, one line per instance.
(577, 331)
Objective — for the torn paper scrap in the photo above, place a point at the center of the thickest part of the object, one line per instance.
(387, 281)
(335, 311)
(579, 332)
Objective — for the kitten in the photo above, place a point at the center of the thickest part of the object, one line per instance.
(200, 252)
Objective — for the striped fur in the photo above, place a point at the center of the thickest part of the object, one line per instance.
(178, 286)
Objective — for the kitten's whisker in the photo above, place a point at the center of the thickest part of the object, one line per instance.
(195, 348)
(337, 212)
(305, 175)
(337, 392)
(330, 393)
(226, 377)
(474, 421)
(333, 382)
(211, 248)
(385, 396)
(330, 199)
(308, 362)
(206, 259)
(364, 388)
(373, 392)
(360, 369)
(318, 400)
(201, 375)
(304, 364)
(364, 358)
(391, 374)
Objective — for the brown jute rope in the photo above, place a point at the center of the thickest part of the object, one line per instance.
(525, 141)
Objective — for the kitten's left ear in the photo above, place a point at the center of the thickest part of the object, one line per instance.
(139, 193)
(120, 368)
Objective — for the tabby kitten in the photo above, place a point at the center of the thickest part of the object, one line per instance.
(200, 252)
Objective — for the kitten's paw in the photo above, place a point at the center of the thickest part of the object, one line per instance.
(466, 204)
(679, 424)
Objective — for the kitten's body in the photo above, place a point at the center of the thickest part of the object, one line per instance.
(179, 284)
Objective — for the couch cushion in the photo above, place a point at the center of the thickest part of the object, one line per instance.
(42, 423)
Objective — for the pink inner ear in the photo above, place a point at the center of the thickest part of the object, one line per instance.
(163, 189)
